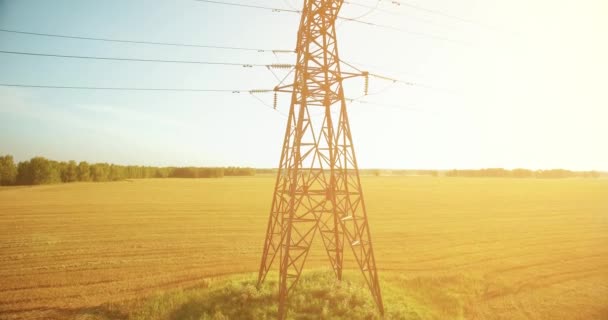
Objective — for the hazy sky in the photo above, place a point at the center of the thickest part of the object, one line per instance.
(522, 84)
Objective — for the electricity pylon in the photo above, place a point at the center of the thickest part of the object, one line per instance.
(318, 186)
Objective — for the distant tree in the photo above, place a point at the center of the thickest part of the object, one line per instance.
(238, 171)
(42, 171)
(8, 171)
(95, 172)
(589, 174)
(100, 172)
(118, 173)
(61, 168)
(522, 173)
(554, 174)
(184, 173)
(24, 173)
(58, 171)
(134, 172)
(432, 173)
(70, 172)
(84, 171)
(494, 172)
(452, 173)
(161, 173)
(150, 172)
(210, 172)
(193, 172)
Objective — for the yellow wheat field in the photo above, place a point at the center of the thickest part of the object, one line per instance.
(462, 248)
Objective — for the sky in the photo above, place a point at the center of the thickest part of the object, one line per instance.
(497, 83)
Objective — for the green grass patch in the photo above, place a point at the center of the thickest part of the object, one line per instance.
(317, 296)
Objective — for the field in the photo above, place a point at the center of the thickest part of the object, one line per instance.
(447, 248)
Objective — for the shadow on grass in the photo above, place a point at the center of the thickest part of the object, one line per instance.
(95, 313)
(317, 296)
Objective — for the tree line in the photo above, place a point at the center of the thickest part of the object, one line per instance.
(40, 170)
(523, 173)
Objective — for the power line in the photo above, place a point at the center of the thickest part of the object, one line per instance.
(289, 4)
(368, 23)
(385, 105)
(371, 10)
(250, 6)
(395, 80)
(234, 91)
(267, 105)
(238, 91)
(395, 13)
(409, 83)
(268, 66)
(382, 77)
(436, 12)
(274, 66)
(145, 42)
(415, 33)
(229, 91)
(391, 79)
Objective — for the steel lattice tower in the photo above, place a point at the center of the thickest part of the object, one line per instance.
(318, 186)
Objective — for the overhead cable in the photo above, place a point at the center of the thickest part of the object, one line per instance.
(145, 42)
(246, 65)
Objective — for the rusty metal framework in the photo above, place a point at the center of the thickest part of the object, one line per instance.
(317, 187)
